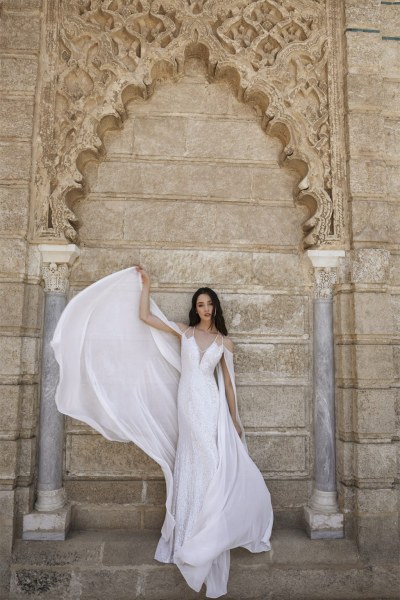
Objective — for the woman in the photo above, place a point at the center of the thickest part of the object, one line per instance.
(133, 382)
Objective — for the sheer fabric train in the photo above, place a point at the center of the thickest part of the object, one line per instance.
(121, 377)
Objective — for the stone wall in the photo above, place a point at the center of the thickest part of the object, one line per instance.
(191, 187)
(367, 301)
(20, 295)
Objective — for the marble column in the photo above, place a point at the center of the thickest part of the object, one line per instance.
(51, 516)
(323, 519)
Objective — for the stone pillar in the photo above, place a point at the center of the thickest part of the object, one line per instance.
(323, 518)
(51, 517)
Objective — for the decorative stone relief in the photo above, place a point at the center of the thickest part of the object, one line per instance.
(370, 265)
(55, 277)
(325, 279)
(104, 53)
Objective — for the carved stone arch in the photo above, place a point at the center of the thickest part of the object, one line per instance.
(109, 51)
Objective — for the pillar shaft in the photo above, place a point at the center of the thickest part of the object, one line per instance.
(51, 431)
(322, 515)
(51, 517)
(324, 397)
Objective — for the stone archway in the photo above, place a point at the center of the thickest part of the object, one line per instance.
(275, 53)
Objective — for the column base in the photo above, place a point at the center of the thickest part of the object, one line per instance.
(323, 525)
(52, 525)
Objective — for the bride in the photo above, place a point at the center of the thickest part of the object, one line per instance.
(135, 376)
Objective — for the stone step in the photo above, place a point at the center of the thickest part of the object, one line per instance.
(119, 565)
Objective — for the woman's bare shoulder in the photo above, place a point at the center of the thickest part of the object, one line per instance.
(182, 326)
(228, 343)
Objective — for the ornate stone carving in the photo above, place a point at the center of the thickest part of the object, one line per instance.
(55, 277)
(325, 279)
(110, 51)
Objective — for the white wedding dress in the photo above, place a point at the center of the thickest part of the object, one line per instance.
(133, 383)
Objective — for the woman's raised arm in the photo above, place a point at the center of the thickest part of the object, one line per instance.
(145, 314)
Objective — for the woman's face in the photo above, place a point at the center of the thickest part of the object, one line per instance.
(205, 307)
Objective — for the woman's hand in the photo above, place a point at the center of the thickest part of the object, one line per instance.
(143, 274)
(238, 428)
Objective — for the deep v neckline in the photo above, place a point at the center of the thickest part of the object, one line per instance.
(203, 353)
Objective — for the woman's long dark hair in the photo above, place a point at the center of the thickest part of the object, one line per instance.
(218, 318)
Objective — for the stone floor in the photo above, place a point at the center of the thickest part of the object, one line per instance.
(119, 565)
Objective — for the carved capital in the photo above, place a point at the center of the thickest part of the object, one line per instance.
(55, 277)
(325, 279)
(56, 260)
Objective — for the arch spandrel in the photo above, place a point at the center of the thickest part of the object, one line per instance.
(274, 52)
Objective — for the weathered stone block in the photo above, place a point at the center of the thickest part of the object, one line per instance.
(105, 492)
(26, 460)
(376, 501)
(375, 462)
(279, 454)
(11, 304)
(8, 460)
(196, 267)
(392, 137)
(232, 140)
(198, 223)
(264, 406)
(289, 493)
(391, 59)
(21, 126)
(10, 355)
(29, 408)
(390, 19)
(93, 455)
(93, 215)
(153, 517)
(103, 516)
(374, 363)
(22, 4)
(275, 269)
(364, 91)
(344, 458)
(393, 180)
(14, 209)
(256, 363)
(363, 52)
(194, 97)
(367, 177)
(372, 313)
(15, 160)
(362, 15)
(12, 256)
(18, 73)
(19, 31)
(391, 91)
(370, 220)
(365, 133)
(375, 413)
(160, 136)
(94, 263)
(9, 410)
(376, 538)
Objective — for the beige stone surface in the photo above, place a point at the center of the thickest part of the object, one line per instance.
(19, 31)
(279, 453)
(93, 455)
(375, 463)
(363, 52)
(264, 362)
(14, 208)
(273, 406)
(18, 73)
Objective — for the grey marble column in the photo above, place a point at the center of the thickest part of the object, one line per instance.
(322, 515)
(51, 517)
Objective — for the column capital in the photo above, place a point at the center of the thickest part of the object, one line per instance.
(56, 260)
(325, 263)
(325, 259)
(59, 253)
